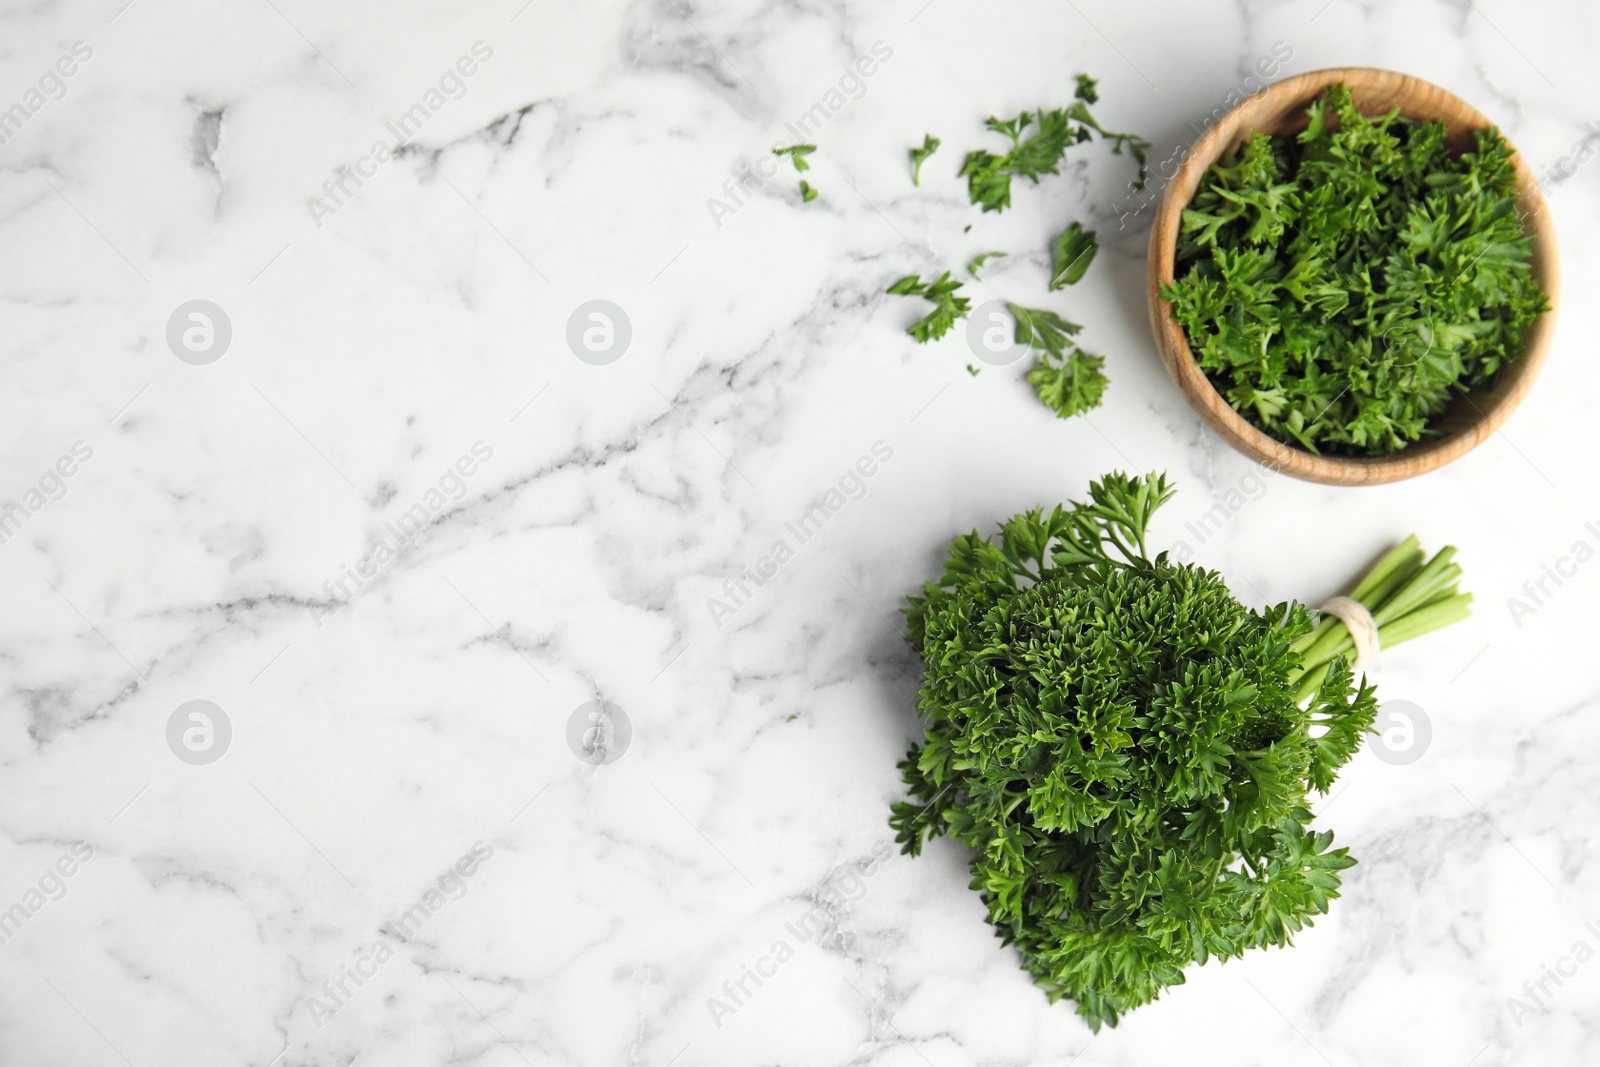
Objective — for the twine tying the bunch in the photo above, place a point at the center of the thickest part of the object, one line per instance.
(1359, 621)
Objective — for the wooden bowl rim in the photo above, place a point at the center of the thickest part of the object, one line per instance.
(1493, 407)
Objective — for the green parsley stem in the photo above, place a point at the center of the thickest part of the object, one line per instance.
(1407, 598)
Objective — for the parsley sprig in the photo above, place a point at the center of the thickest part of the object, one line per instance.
(947, 306)
(1343, 286)
(1039, 153)
(1067, 379)
(1128, 751)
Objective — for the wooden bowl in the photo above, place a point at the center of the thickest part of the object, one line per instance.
(1280, 108)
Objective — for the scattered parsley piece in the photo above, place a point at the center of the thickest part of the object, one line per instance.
(1137, 146)
(1075, 250)
(1070, 384)
(1067, 379)
(978, 262)
(1128, 752)
(947, 306)
(1342, 287)
(972, 370)
(930, 145)
(797, 154)
(1045, 329)
(989, 176)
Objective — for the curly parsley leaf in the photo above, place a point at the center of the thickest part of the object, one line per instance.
(1069, 384)
(1067, 379)
(1034, 155)
(1074, 252)
(941, 292)
(989, 176)
(1043, 329)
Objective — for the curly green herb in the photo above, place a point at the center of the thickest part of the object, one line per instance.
(947, 306)
(989, 175)
(1128, 751)
(1342, 287)
(1067, 379)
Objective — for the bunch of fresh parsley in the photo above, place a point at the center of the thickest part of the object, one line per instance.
(1127, 749)
(1342, 286)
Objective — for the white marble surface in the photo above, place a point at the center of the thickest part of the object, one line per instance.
(193, 555)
